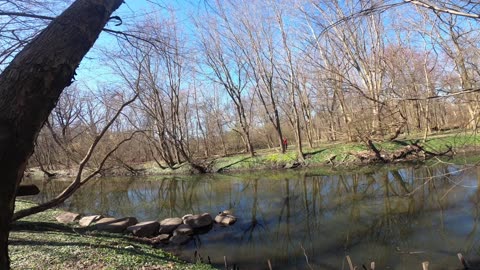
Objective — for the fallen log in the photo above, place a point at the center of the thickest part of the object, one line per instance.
(409, 151)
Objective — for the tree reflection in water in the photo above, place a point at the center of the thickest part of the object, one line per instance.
(395, 217)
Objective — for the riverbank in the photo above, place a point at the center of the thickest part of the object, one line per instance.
(338, 155)
(327, 156)
(39, 242)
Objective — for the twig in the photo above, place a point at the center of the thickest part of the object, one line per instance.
(419, 187)
(427, 4)
(463, 261)
(306, 257)
(455, 184)
(350, 264)
(269, 265)
(425, 265)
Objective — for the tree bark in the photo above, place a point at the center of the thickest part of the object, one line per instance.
(30, 87)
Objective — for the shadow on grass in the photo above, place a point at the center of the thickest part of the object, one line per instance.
(50, 227)
(405, 142)
(71, 239)
(116, 250)
(232, 164)
(39, 226)
(308, 154)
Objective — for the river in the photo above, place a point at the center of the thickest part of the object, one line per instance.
(397, 217)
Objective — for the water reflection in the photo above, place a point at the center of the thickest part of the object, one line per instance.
(395, 217)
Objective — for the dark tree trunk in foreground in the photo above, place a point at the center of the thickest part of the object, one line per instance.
(30, 87)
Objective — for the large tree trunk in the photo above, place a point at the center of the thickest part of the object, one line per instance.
(30, 87)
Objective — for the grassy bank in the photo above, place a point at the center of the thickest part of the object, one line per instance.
(327, 155)
(336, 154)
(39, 242)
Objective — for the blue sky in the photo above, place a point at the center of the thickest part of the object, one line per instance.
(92, 72)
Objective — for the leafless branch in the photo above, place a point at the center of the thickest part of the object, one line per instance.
(452, 11)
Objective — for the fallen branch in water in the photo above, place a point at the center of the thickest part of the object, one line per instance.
(410, 151)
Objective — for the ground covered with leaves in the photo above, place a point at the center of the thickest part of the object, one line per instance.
(39, 242)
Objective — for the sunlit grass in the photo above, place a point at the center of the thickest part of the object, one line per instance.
(279, 157)
(335, 153)
(329, 153)
(38, 242)
(456, 141)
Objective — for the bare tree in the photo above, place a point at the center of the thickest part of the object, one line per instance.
(230, 71)
(457, 39)
(80, 180)
(462, 8)
(31, 85)
(21, 21)
(255, 37)
(290, 79)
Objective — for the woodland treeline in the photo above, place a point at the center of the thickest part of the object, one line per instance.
(237, 76)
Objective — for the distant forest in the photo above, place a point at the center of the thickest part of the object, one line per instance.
(236, 76)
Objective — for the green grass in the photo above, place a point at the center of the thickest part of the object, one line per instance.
(457, 141)
(280, 158)
(39, 242)
(324, 154)
(340, 152)
(343, 153)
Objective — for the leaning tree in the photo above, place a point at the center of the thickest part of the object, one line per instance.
(31, 85)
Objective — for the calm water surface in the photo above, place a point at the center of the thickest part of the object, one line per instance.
(395, 217)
